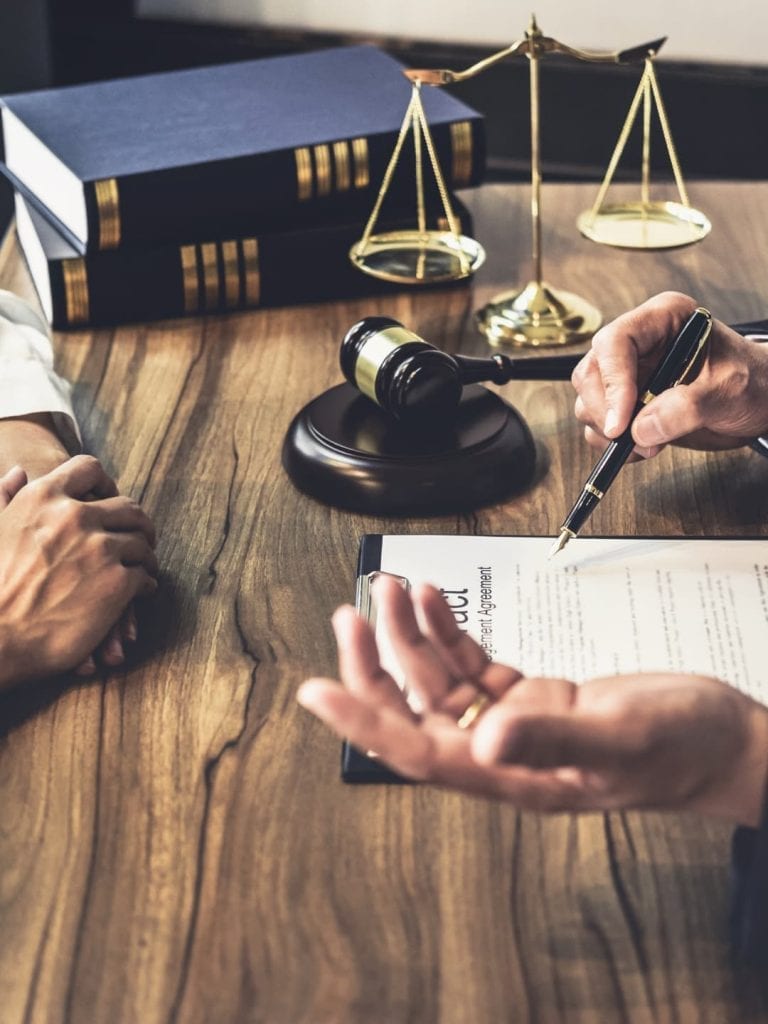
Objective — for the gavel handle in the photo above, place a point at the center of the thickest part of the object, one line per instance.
(756, 328)
(500, 368)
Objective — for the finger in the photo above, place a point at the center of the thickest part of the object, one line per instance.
(583, 414)
(581, 369)
(130, 629)
(616, 358)
(494, 683)
(132, 582)
(122, 513)
(591, 405)
(10, 485)
(425, 673)
(649, 326)
(595, 439)
(669, 416)
(393, 734)
(87, 667)
(459, 699)
(617, 347)
(462, 655)
(599, 442)
(111, 647)
(359, 665)
(130, 549)
(80, 476)
(548, 695)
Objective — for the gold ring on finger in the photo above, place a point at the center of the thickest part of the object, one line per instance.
(473, 712)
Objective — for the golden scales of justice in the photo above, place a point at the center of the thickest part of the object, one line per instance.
(417, 255)
(537, 314)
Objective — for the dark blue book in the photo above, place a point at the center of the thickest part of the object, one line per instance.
(219, 275)
(190, 154)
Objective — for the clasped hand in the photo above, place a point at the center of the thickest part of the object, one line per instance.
(69, 567)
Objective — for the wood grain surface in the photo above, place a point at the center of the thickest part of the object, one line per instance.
(175, 843)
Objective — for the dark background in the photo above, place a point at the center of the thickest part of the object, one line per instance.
(718, 113)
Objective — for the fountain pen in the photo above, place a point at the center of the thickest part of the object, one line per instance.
(681, 362)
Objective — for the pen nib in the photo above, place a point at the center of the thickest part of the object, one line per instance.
(562, 540)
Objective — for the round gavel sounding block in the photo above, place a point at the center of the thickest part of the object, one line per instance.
(407, 435)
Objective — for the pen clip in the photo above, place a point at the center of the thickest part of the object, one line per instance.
(691, 369)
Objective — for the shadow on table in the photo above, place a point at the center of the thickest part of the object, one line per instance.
(737, 495)
(160, 628)
(656, 937)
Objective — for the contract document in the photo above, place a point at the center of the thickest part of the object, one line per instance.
(600, 607)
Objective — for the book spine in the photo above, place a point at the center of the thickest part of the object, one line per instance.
(273, 191)
(222, 276)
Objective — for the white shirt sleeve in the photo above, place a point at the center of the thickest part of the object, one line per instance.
(28, 382)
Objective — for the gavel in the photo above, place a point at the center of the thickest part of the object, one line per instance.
(411, 379)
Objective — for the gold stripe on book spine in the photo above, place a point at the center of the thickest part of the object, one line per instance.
(360, 161)
(108, 207)
(76, 291)
(252, 276)
(210, 274)
(323, 169)
(190, 280)
(303, 173)
(341, 166)
(231, 275)
(461, 151)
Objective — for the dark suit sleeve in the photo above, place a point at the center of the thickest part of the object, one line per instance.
(749, 902)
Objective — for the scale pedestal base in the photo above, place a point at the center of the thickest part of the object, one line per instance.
(537, 316)
(345, 451)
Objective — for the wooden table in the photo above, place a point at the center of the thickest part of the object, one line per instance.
(175, 843)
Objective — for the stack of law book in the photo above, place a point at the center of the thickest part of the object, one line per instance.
(219, 188)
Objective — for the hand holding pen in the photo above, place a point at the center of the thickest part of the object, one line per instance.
(681, 360)
(724, 407)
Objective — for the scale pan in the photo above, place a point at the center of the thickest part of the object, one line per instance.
(418, 257)
(654, 225)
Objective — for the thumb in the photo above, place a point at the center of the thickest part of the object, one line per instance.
(671, 415)
(11, 484)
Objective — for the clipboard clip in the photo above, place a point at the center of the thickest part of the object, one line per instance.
(364, 593)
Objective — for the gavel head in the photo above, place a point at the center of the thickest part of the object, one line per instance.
(399, 371)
